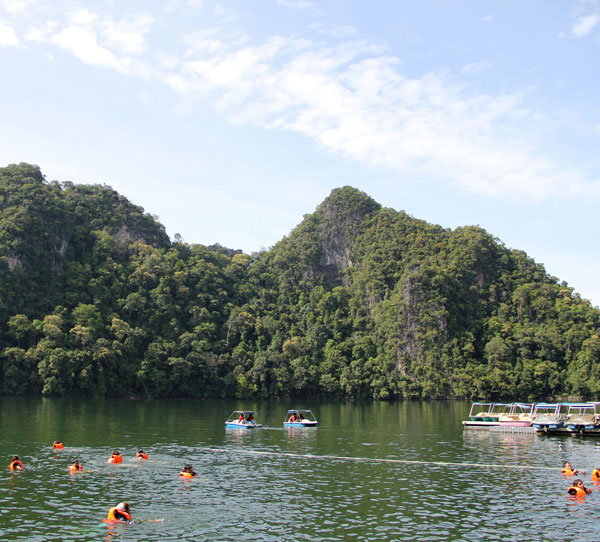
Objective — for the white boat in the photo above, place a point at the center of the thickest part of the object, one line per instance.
(242, 419)
(300, 418)
(548, 416)
(485, 414)
(518, 415)
(582, 417)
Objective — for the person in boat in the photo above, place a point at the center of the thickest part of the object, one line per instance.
(15, 463)
(58, 445)
(241, 418)
(292, 418)
(300, 417)
(187, 472)
(115, 457)
(121, 512)
(75, 466)
(141, 455)
(567, 470)
(250, 418)
(578, 489)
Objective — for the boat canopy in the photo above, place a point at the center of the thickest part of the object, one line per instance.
(548, 406)
(237, 413)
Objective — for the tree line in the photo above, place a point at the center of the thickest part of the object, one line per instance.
(358, 301)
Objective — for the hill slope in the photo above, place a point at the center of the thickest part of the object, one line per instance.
(357, 301)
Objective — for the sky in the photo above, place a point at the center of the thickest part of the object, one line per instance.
(232, 120)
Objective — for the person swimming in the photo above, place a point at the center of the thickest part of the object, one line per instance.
(115, 458)
(75, 466)
(58, 445)
(15, 463)
(568, 470)
(121, 512)
(141, 455)
(187, 472)
(578, 489)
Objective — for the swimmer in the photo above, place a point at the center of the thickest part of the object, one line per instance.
(15, 463)
(75, 466)
(115, 458)
(58, 445)
(121, 512)
(578, 489)
(141, 455)
(596, 474)
(567, 470)
(187, 472)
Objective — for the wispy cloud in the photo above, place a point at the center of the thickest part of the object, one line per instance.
(8, 37)
(348, 96)
(15, 6)
(584, 25)
(99, 40)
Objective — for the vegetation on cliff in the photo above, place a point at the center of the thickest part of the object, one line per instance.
(358, 301)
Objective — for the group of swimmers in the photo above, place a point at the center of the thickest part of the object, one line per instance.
(578, 488)
(121, 512)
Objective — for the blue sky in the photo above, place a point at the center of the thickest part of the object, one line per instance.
(231, 120)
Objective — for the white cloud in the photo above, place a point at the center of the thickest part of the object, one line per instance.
(100, 40)
(127, 36)
(82, 43)
(351, 99)
(360, 106)
(15, 6)
(8, 37)
(584, 25)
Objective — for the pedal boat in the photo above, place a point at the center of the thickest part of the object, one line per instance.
(582, 417)
(518, 415)
(548, 416)
(246, 422)
(302, 417)
(484, 414)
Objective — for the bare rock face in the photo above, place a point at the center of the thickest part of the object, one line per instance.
(333, 229)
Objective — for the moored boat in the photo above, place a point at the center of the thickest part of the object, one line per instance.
(518, 415)
(485, 414)
(582, 417)
(548, 416)
(300, 418)
(242, 419)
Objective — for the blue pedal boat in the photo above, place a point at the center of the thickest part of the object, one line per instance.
(300, 417)
(242, 419)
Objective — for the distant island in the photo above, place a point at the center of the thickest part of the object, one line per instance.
(358, 301)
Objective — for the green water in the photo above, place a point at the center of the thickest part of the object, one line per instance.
(374, 471)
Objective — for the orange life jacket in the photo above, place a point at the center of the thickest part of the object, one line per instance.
(578, 492)
(115, 459)
(184, 474)
(58, 445)
(112, 514)
(73, 468)
(569, 472)
(15, 465)
(141, 456)
(596, 474)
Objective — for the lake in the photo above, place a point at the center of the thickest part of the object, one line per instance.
(370, 471)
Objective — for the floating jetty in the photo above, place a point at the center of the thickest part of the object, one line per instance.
(497, 428)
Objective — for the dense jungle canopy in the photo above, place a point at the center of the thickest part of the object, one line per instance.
(359, 301)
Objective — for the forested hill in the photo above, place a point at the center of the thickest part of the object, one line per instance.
(358, 301)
